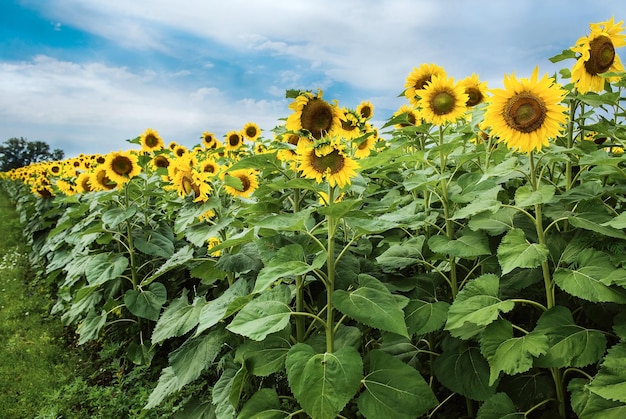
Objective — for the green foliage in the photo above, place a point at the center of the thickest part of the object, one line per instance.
(20, 152)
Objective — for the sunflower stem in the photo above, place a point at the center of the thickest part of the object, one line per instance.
(454, 288)
(330, 280)
(300, 320)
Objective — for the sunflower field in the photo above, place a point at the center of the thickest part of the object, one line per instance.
(465, 259)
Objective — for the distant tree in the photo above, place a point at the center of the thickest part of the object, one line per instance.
(19, 152)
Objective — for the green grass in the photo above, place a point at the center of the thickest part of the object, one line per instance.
(34, 360)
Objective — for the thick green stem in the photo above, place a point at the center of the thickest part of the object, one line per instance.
(330, 280)
(300, 320)
(131, 247)
(446, 213)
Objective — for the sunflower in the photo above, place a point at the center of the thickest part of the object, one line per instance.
(251, 131)
(211, 243)
(83, 183)
(365, 145)
(210, 166)
(234, 140)
(365, 109)
(241, 183)
(313, 114)
(475, 90)
(350, 125)
(160, 161)
(186, 181)
(442, 101)
(179, 150)
(597, 56)
(526, 112)
(412, 116)
(121, 166)
(326, 160)
(417, 79)
(209, 141)
(99, 181)
(151, 141)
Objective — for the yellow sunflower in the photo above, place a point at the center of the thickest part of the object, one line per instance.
(209, 141)
(241, 183)
(413, 116)
(365, 145)
(475, 90)
(211, 243)
(313, 114)
(151, 141)
(365, 109)
(417, 79)
(210, 166)
(179, 150)
(99, 180)
(442, 101)
(597, 56)
(326, 160)
(186, 181)
(350, 125)
(234, 140)
(83, 183)
(251, 131)
(160, 161)
(121, 166)
(526, 112)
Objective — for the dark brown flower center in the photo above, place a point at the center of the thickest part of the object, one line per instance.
(524, 112)
(251, 132)
(234, 140)
(188, 184)
(161, 161)
(332, 161)
(152, 141)
(474, 96)
(245, 183)
(317, 117)
(122, 165)
(421, 82)
(442, 103)
(366, 112)
(601, 55)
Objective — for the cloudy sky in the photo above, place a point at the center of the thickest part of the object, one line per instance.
(86, 75)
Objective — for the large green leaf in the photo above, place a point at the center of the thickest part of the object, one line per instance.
(610, 382)
(583, 283)
(516, 252)
(494, 223)
(499, 406)
(374, 305)
(182, 256)
(264, 404)
(424, 317)
(104, 267)
(178, 318)
(323, 383)
(570, 345)
(525, 197)
(90, 327)
(470, 245)
(476, 305)
(265, 357)
(509, 354)
(113, 217)
(463, 369)
(285, 222)
(146, 303)
(156, 243)
(215, 310)
(402, 255)
(597, 224)
(268, 313)
(588, 405)
(394, 390)
(288, 261)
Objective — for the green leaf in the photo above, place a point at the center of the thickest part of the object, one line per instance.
(588, 405)
(583, 284)
(182, 256)
(499, 406)
(617, 222)
(509, 354)
(323, 383)
(288, 261)
(374, 305)
(470, 245)
(222, 392)
(90, 327)
(264, 404)
(103, 267)
(265, 357)
(424, 317)
(516, 252)
(394, 390)
(286, 222)
(610, 382)
(178, 318)
(570, 345)
(494, 223)
(587, 222)
(154, 243)
(268, 313)
(463, 369)
(477, 207)
(199, 233)
(215, 310)
(146, 303)
(478, 304)
(370, 225)
(113, 217)
(400, 256)
(525, 197)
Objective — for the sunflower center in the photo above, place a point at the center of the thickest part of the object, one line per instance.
(332, 161)
(474, 96)
(122, 165)
(421, 82)
(442, 103)
(524, 112)
(152, 141)
(161, 161)
(317, 117)
(251, 132)
(601, 55)
(366, 112)
(245, 183)
(189, 185)
(233, 140)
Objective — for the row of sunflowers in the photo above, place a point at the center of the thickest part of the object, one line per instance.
(465, 262)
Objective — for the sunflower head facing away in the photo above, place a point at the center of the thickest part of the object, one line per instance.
(442, 101)
(526, 112)
(326, 160)
(313, 114)
(151, 141)
(597, 56)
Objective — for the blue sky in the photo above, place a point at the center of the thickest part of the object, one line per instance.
(85, 75)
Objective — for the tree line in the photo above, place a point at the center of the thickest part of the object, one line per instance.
(20, 152)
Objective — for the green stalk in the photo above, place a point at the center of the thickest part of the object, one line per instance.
(330, 280)
(131, 248)
(446, 213)
(300, 320)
